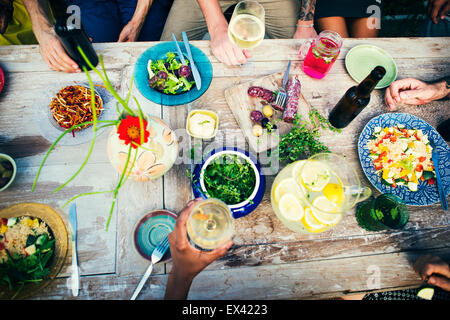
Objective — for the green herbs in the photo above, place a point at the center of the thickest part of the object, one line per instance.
(229, 178)
(303, 139)
(319, 120)
(301, 142)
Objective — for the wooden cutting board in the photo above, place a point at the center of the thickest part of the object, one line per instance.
(241, 104)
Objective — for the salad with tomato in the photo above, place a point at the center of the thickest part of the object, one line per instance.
(402, 157)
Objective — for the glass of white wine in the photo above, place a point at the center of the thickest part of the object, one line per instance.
(247, 25)
(210, 224)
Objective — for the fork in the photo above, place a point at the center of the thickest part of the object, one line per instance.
(157, 254)
(281, 95)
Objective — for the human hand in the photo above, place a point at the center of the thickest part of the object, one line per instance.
(434, 271)
(130, 32)
(438, 9)
(413, 91)
(226, 51)
(188, 261)
(6, 13)
(305, 30)
(54, 54)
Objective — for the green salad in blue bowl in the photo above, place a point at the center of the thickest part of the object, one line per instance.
(169, 75)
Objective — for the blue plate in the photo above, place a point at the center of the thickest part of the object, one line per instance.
(241, 209)
(159, 51)
(426, 194)
(151, 230)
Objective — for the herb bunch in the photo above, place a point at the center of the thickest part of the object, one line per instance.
(230, 179)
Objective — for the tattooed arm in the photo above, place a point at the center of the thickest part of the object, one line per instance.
(305, 28)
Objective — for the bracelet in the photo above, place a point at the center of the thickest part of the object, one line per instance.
(305, 26)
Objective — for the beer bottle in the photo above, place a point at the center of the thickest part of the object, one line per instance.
(72, 35)
(355, 99)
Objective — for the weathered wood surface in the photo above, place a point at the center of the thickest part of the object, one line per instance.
(268, 260)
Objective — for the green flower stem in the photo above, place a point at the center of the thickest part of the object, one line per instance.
(94, 130)
(111, 122)
(141, 122)
(118, 187)
(105, 80)
(85, 194)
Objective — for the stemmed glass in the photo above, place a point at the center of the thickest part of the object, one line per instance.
(247, 25)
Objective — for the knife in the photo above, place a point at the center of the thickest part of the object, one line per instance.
(286, 75)
(75, 272)
(435, 158)
(195, 73)
(180, 54)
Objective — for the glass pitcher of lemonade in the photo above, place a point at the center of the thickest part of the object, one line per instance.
(311, 196)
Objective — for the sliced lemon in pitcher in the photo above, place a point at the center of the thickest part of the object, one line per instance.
(315, 176)
(290, 207)
(334, 193)
(310, 223)
(325, 211)
(285, 186)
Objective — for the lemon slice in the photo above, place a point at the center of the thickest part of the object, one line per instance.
(315, 176)
(310, 223)
(285, 186)
(290, 207)
(325, 211)
(149, 69)
(297, 169)
(334, 193)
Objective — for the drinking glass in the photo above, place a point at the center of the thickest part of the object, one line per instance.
(210, 224)
(246, 28)
(320, 53)
(387, 211)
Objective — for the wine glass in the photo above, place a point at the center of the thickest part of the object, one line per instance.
(247, 25)
(210, 224)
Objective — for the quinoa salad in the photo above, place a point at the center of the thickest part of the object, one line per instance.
(402, 157)
(26, 248)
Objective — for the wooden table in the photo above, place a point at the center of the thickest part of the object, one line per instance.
(268, 261)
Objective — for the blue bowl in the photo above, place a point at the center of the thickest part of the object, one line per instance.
(159, 51)
(426, 194)
(238, 210)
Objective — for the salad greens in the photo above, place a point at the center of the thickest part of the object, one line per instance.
(32, 268)
(230, 178)
(170, 76)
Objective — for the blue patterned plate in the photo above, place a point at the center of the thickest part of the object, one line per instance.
(151, 230)
(426, 194)
(159, 51)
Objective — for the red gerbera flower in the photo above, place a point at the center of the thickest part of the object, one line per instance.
(130, 131)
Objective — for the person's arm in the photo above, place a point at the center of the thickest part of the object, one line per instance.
(50, 46)
(438, 9)
(131, 31)
(415, 92)
(187, 261)
(221, 46)
(305, 23)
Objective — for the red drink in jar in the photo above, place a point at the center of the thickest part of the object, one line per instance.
(322, 53)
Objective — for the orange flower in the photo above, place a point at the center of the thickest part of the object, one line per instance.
(130, 131)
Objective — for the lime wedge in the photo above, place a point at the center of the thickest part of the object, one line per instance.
(426, 293)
